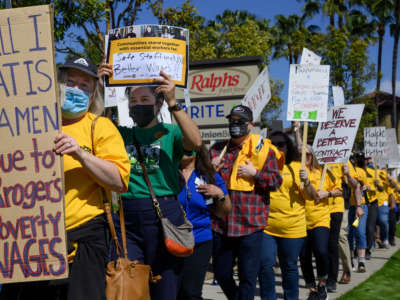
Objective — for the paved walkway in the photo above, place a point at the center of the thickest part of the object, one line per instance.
(378, 259)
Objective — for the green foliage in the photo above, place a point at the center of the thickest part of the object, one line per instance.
(367, 120)
(274, 107)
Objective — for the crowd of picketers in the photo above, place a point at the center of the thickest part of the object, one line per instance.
(249, 199)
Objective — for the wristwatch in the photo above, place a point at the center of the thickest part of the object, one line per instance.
(175, 107)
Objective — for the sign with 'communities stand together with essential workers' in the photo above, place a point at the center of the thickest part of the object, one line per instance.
(32, 225)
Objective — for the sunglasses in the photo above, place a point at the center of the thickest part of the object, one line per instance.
(237, 121)
(280, 144)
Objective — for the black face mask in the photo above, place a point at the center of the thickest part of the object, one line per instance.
(237, 130)
(141, 114)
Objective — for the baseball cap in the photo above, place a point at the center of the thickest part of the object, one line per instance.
(83, 64)
(241, 111)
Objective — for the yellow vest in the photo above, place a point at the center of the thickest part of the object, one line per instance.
(254, 149)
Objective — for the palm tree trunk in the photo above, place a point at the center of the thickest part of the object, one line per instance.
(394, 70)
(378, 79)
(394, 64)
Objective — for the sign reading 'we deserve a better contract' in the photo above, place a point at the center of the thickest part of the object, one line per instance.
(32, 225)
(335, 137)
(308, 93)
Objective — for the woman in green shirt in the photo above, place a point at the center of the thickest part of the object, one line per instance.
(162, 146)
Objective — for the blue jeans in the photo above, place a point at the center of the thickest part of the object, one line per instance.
(315, 243)
(383, 222)
(247, 250)
(145, 242)
(360, 233)
(288, 251)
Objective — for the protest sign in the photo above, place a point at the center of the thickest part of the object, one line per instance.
(258, 95)
(334, 139)
(338, 96)
(309, 58)
(374, 141)
(32, 226)
(392, 151)
(308, 93)
(138, 54)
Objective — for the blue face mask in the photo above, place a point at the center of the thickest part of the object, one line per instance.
(76, 103)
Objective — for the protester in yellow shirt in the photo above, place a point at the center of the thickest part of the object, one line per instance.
(286, 229)
(372, 202)
(94, 160)
(336, 209)
(393, 197)
(318, 221)
(358, 208)
(383, 207)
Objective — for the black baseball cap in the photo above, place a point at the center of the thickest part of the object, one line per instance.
(80, 63)
(241, 111)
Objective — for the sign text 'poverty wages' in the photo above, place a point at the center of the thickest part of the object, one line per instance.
(32, 226)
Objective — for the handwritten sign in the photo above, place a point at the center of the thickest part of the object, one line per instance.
(335, 137)
(392, 151)
(338, 96)
(258, 95)
(374, 141)
(308, 93)
(309, 58)
(138, 60)
(32, 230)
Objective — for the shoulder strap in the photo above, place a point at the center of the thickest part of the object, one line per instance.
(107, 209)
(146, 175)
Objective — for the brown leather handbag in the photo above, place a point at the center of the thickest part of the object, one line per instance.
(125, 279)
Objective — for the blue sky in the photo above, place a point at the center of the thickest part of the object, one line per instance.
(268, 9)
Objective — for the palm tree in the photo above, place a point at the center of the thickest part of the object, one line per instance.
(395, 32)
(291, 36)
(381, 11)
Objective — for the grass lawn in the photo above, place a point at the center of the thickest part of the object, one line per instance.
(384, 284)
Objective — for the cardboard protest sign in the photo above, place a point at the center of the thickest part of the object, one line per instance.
(392, 152)
(258, 95)
(374, 141)
(138, 54)
(309, 58)
(334, 139)
(338, 96)
(32, 226)
(308, 93)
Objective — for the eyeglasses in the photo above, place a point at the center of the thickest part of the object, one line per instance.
(279, 144)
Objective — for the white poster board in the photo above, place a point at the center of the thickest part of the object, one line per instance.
(258, 95)
(374, 141)
(309, 58)
(334, 139)
(308, 93)
(338, 96)
(392, 151)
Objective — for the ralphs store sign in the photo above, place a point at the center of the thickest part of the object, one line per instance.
(215, 86)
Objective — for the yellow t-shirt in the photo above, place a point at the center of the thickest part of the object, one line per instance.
(383, 197)
(362, 178)
(336, 204)
(287, 216)
(83, 196)
(318, 214)
(371, 194)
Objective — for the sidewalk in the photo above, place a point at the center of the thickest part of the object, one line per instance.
(378, 258)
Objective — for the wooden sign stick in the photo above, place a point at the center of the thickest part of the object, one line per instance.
(221, 155)
(323, 176)
(303, 149)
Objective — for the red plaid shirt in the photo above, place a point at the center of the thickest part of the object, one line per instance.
(249, 209)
